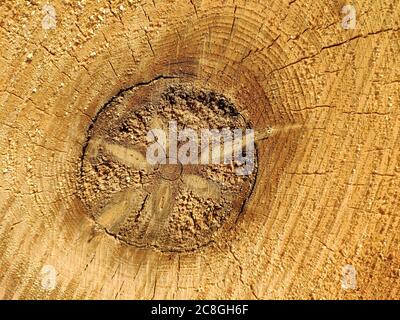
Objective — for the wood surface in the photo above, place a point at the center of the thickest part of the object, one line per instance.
(328, 179)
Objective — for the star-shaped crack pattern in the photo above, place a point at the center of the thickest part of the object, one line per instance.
(171, 207)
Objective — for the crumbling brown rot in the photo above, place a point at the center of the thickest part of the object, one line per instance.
(169, 207)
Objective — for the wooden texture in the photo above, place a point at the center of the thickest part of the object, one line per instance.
(328, 184)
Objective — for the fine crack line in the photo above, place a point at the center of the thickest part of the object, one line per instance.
(332, 46)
